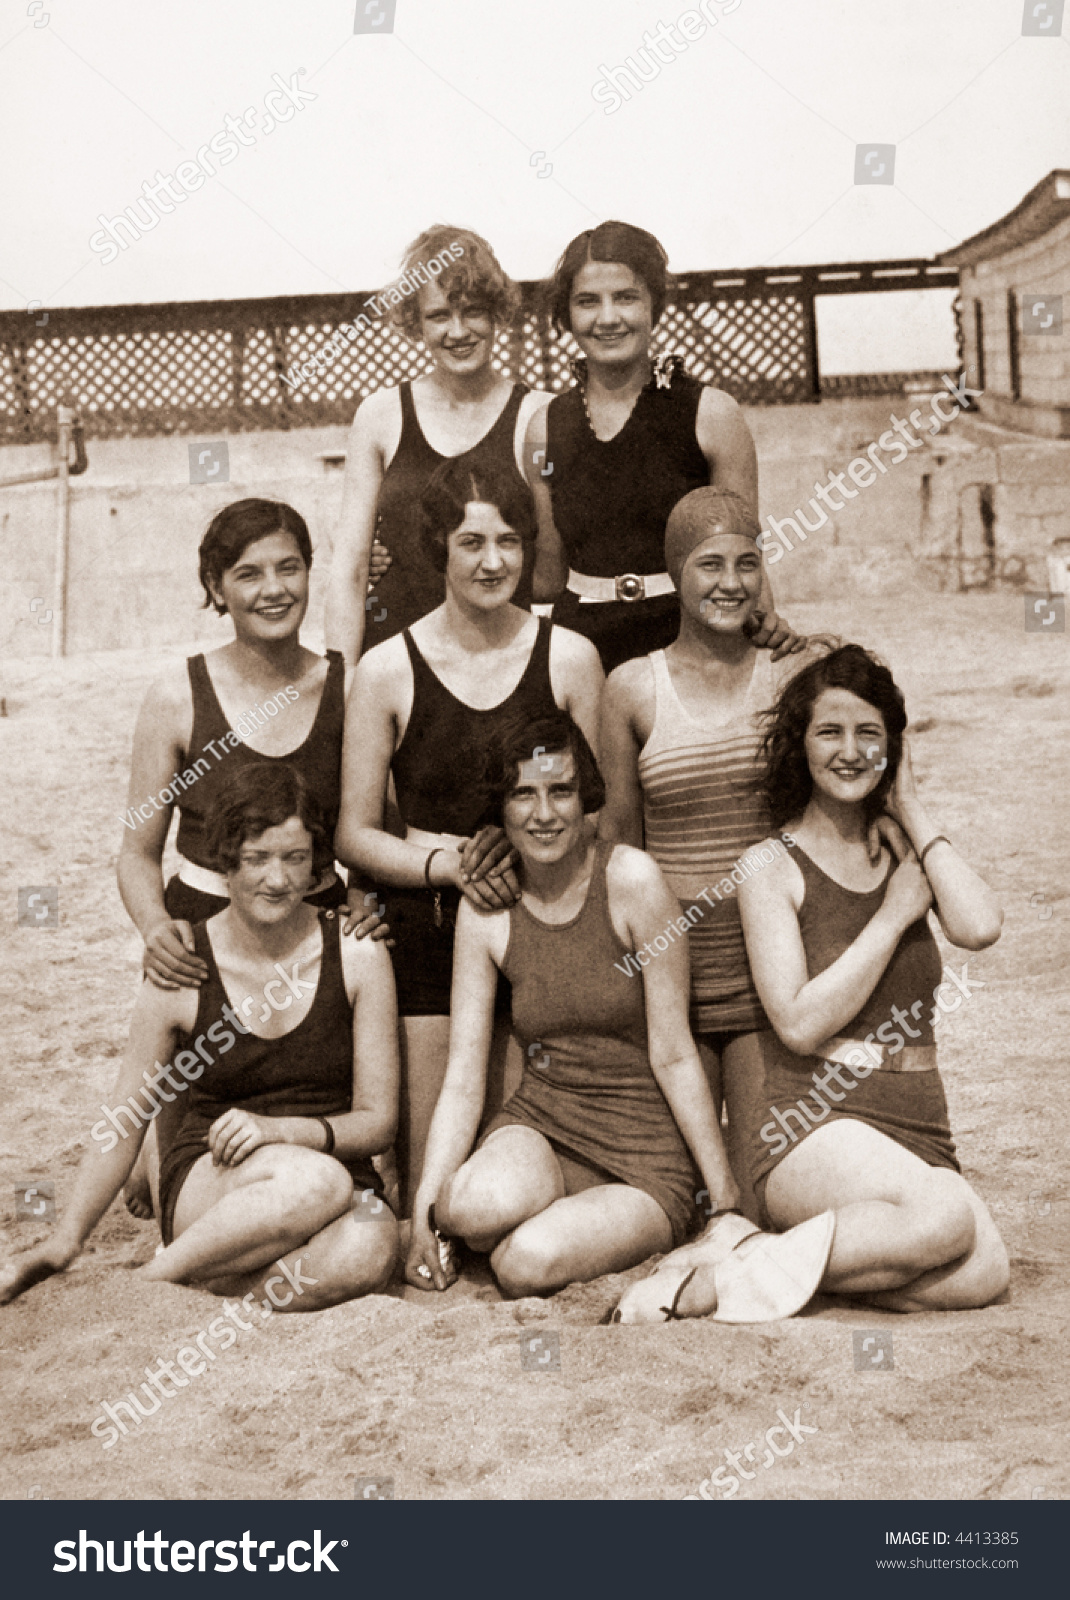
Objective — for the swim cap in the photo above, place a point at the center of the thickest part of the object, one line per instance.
(698, 516)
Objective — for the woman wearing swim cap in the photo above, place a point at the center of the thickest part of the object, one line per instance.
(680, 738)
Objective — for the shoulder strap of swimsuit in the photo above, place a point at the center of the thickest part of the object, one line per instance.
(209, 720)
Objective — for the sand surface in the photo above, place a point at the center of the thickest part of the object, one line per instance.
(430, 1391)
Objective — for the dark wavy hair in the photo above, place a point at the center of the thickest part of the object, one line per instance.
(787, 784)
(232, 530)
(550, 733)
(454, 484)
(264, 795)
(610, 241)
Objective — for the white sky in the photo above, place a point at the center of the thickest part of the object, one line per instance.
(740, 153)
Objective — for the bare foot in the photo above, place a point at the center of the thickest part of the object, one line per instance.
(137, 1196)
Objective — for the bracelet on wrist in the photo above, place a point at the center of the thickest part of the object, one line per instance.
(941, 838)
(328, 1148)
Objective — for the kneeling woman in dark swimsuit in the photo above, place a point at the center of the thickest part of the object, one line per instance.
(283, 1082)
(590, 1167)
(851, 1110)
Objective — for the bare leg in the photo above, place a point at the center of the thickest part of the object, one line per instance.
(583, 1236)
(742, 1071)
(509, 1198)
(513, 1177)
(897, 1220)
(138, 1196)
(354, 1255)
(425, 1043)
(235, 1219)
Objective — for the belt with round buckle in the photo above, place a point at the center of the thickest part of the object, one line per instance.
(630, 586)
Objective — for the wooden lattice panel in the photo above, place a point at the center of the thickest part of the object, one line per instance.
(187, 368)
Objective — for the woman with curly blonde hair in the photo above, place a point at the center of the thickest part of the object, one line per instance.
(452, 297)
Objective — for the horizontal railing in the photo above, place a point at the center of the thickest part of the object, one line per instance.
(235, 365)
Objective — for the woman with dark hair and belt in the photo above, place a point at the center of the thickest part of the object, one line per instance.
(849, 1110)
(283, 1076)
(423, 710)
(631, 438)
(401, 435)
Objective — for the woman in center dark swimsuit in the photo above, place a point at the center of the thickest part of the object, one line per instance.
(462, 408)
(423, 709)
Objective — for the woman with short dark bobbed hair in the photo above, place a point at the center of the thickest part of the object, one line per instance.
(633, 435)
(455, 301)
(262, 697)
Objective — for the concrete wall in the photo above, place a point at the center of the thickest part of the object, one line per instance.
(136, 520)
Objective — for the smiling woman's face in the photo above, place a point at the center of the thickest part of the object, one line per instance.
(611, 313)
(846, 746)
(460, 338)
(484, 559)
(266, 590)
(543, 816)
(721, 583)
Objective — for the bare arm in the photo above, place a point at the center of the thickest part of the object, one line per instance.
(551, 563)
(806, 1011)
(638, 891)
(106, 1166)
(160, 740)
(577, 679)
(969, 912)
(348, 583)
(728, 445)
(461, 1099)
(622, 816)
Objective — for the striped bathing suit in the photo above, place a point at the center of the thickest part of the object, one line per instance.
(701, 812)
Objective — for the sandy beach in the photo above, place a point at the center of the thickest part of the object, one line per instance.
(451, 1397)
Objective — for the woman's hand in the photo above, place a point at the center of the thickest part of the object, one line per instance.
(489, 858)
(885, 828)
(903, 795)
(496, 891)
(169, 960)
(379, 563)
(34, 1266)
(768, 632)
(424, 1254)
(236, 1134)
(909, 895)
(365, 923)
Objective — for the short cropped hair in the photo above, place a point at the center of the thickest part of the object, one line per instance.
(610, 241)
(787, 784)
(476, 277)
(458, 482)
(264, 795)
(232, 530)
(549, 733)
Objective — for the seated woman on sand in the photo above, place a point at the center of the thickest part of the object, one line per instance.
(850, 1110)
(284, 1083)
(590, 1167)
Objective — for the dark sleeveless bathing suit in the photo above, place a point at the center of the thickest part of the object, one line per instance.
(437, 769)
(413, 587)
(611, 501)
(318, 760)
(306, 1073)
(589, 1088)
(909, 1107)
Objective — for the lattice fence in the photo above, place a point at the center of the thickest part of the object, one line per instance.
(220, 366)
